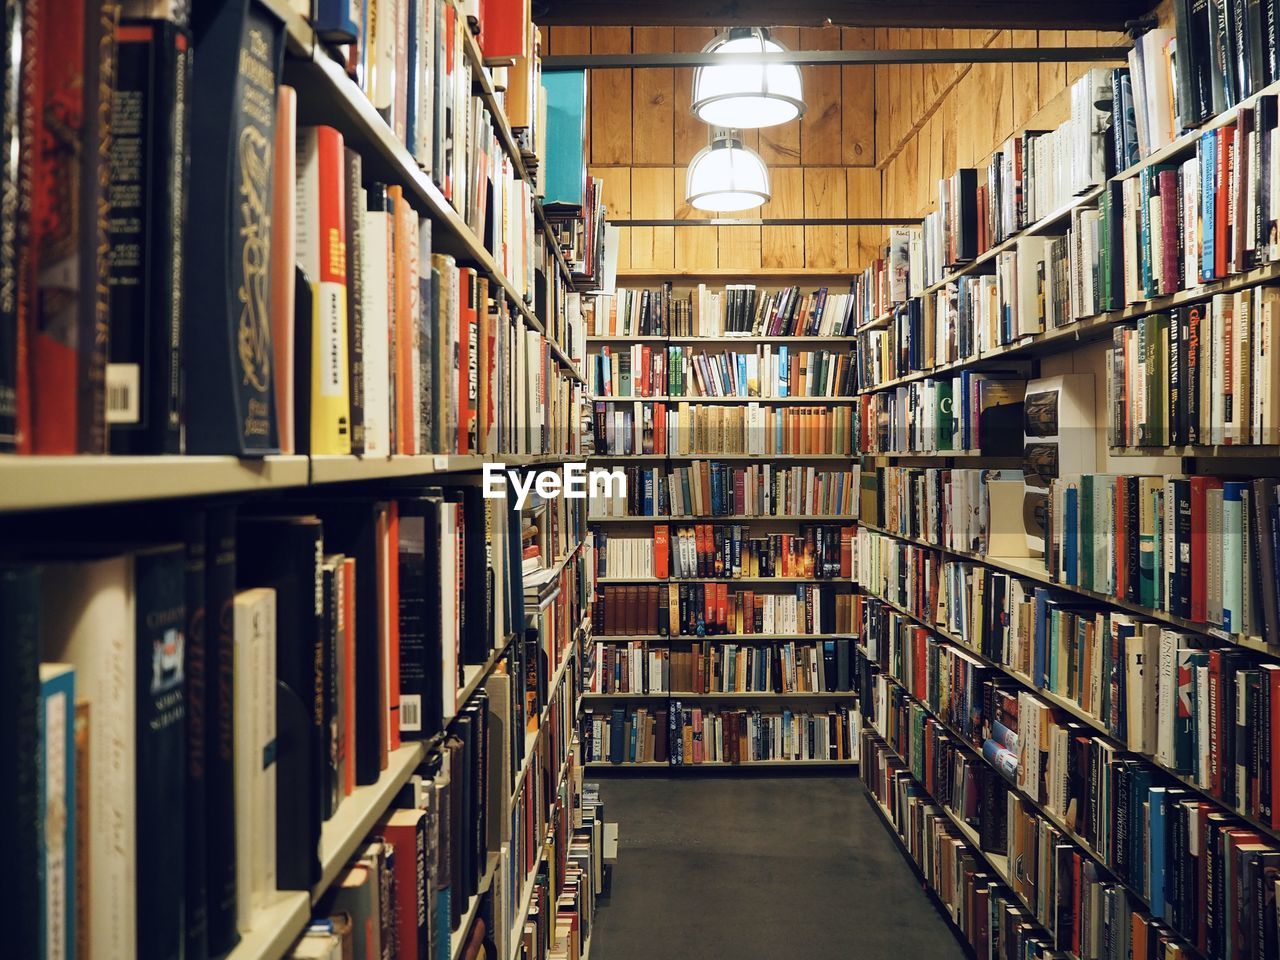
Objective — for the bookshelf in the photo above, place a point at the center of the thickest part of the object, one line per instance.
(1109, 284)
(825, 703)
(242, 516)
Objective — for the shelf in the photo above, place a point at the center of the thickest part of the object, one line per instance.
(458, 938)
(474, 674)
(1226, 451)
(1075, 710)
(342, 834)
(1090, 328)
(941, 454)
(715, 764)
(545, 575)
(770, 457)
(729, 518)
(725, 695)
(275, 928)
(607, 581)
(1033, 568)
(809, 401)
(1040, 808)
(741, 339)
(41, 483)
(721, 637)
(340, 469)
(532, 737)
(540, 217)
(735, 274)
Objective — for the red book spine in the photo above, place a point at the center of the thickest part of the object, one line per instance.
(505, 23)
(1221, 226)
(1168, 180)
(409, 869)
(467, 383)
(1199, 546)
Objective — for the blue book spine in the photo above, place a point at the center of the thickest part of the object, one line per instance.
(413, 80)
(1156, 833)
(784, 371)
(1038, 658)
(1071, 535)
(743, 389)
(1208, 170)
(647, 506)
(57, 792)
(338, 21)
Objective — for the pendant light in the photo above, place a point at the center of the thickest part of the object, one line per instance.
(726, 175)
(746, 96)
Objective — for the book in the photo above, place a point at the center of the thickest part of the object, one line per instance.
(230, 257)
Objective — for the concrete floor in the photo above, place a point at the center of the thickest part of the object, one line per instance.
(711, 868)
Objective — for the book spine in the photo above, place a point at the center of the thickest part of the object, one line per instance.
(150, 134)
(161, 749)
(57, 792)
(198, 714)
(220, 824)
(227, 262)
(322, 254)
(353, 215)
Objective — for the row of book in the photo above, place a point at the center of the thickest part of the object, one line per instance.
(114, 355)
(977, 897)
(578, 228)
(1196, 547)
(681, 736)
(1059, 901)
(680, 371)
(709, 489)
(1164, 842)
(346, 625)
(978, 411)
(1057, 165)
(642, 666)
(706, 551)
(706, 609)
(740, 309)
(1205, 373)
(681, 429)
(952, 508)
(1175, 696)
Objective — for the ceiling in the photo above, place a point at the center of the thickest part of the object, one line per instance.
(975, 14)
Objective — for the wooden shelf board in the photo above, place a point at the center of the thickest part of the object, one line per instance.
(38, 483)
(275, 929)
(342, 834)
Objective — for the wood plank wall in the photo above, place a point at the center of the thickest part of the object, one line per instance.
(874, 140)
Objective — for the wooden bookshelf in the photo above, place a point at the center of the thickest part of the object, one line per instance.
(275, 928)
(740, 339)
(725, 695)
(769, 457)
(731, 518)
(44, 483)
(722, 637)
(1033, 568)
(804, 401)
(458, 938)
(717, 765)
(745, 581)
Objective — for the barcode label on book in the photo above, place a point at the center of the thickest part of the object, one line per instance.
(410, 712)
(123, 393)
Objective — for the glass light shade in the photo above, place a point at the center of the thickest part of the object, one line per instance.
(726, 176)
(747, 96)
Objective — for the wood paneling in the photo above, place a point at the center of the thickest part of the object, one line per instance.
(1078, 14)
(824, 196)
(820, 127)
(857, 102)
(617, 201)
(652, 99)
(652, 197)
(784, 246)
(611, 96)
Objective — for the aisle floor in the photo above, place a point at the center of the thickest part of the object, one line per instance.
(711, 868)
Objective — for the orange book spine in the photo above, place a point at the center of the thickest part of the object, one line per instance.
(661, 549)
(404, 238)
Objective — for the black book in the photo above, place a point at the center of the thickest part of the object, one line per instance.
(1177, 353)
(19, 776)
(1261, 532)
(1180, 510)
(331, 636)
(965, 206)
(455, 760)
(477, 578)
(227, 352)
(421, 690)
(466, 733)
(220, 821)
(617, 751)
(196, 666)
(159, 579)
(1191, 25)
(1271, 39)
(354, 216)
(284, 553)
(1223, 70)
(149, 164)
(1256, 29)
(992, 811)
